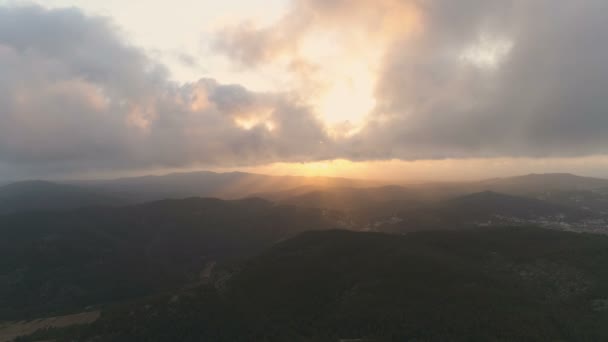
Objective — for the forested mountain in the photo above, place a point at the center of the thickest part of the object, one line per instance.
(485, 205)
(321, 192)
(445, 263)
(45, 196)
(550, 187)
(542, 183)
(56, 261)
(399, 209)
(508, 284)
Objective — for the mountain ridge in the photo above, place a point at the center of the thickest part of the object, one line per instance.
(39, 195)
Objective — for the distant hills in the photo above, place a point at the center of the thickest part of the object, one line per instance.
(535, 185)
(43, 195)
(353, 196)
(542, 183)
(488, 204)
(479, 209)
(39, 195)
(433, 206)
(230, 185)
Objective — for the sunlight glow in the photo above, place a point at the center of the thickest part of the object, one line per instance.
(349, 99)
(345, 82)
(403, 171)
(328, 168)
(342, 60)
(255, 118)
(250, 123)
(487, 52)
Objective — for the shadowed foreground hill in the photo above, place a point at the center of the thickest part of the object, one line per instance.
(500, 284)
(61, 261)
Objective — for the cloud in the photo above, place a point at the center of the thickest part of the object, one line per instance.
(539, 96)
(75, 96)
(466, 79)
(472, 78)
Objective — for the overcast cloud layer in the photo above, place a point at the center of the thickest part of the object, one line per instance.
(456, 79)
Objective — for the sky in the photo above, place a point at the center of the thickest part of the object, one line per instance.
(385, 89)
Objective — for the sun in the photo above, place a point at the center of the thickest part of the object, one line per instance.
(324, 168)
(344, 81)
(348, 100)
(344, 56)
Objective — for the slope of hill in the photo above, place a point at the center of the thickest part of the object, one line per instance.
(485, 205)
(40, 195)
(542, 183)
(507, 284)
(479, 209)
(56, 261)
(555, 190)
(397, 209)
(593, 200)
(540, 186)
(353, 198)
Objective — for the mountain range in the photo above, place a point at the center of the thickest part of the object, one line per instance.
(303, 259)
(41, 195)
(333, 193)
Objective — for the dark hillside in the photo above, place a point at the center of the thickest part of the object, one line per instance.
(502, 284)
(57, 261)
